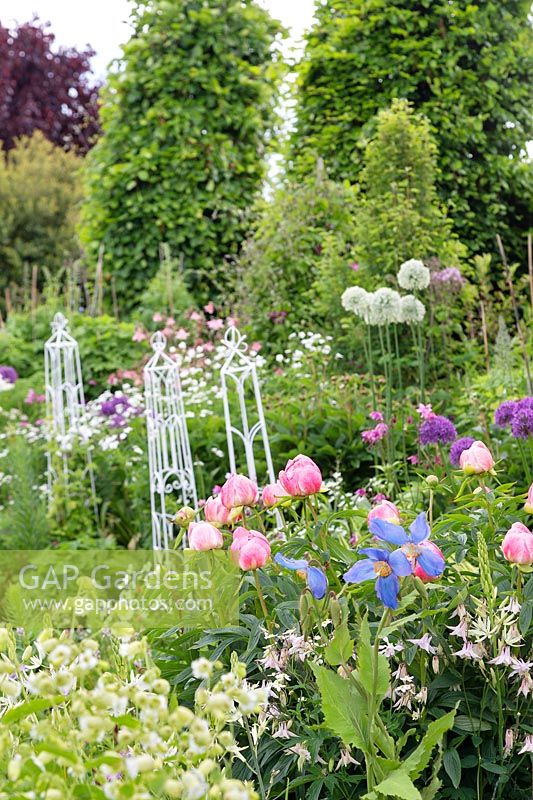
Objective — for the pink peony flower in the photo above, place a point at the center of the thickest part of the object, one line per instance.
(250, 549)
(239, 491)
(385, 510)
(419, 572)
(203, 536)
(216, 512)
(476, 460)
(272, 494)
(517, 545)
(301, 477)
(528, 506)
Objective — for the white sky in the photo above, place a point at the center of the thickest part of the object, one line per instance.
(103, 23)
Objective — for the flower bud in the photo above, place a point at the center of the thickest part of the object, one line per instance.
(239, 491)
(476, 460)
(432, 481)
(204, 536)
(385, 510)
(528, 506)
(517, 545)
(184, 516)
(301, 477)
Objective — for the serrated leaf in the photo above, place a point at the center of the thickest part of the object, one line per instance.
(365, 665)
(340, 649)
(398, 785)
(419, 758)
(343, 708)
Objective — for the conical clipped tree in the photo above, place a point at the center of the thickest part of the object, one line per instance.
(186, 121)
(466, 65)
(399, 215)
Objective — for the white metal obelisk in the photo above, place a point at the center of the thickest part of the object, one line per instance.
(169, 452)
(65, 400)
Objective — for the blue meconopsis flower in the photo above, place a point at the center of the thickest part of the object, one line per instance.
(315, 577)
(411, 544)
(386, 568)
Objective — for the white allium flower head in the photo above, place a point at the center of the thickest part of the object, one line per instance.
(412, 310)
(356, 299)
(413, 275)
(385, 307)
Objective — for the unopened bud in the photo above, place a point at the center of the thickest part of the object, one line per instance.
(184, 516)
(432, 481)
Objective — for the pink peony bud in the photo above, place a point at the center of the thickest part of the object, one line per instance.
(184, 516)
(517, 545)
(250, 548)
(204, 536)
(419, 572)
(301, 477)
(385, 510)
(272, 494)
(216, 512)
(476, 459)
(239, 491)
(528, 505)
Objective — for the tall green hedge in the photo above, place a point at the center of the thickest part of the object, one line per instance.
(186, 122)
(467, 66)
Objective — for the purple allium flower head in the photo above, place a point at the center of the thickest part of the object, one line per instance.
(522, 422)
(437, 429)
(107, 408)
(117, 421)
(457, 448)
(504, 413)
(8, 374)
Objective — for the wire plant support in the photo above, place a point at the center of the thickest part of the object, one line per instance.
(238, 371)
(65, 403)
(169, 453)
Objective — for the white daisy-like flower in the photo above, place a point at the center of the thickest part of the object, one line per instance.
(202, 668)
(412, 310)
(413, 275)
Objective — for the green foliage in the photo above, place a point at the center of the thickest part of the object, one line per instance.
(466, 66)
(399, 216)
(23, 521)
(166, 293)
(186, 122)
(298, 259)
(40, 190)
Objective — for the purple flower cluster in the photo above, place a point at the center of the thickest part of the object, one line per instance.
(437, 429)
(457, 448)
(518, 414)
(450, 277)
(116, 409)
(8, 374)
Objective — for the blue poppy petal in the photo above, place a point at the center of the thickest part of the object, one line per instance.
(361, 571)
(387, 590)
(290, 563)
(394, 534)
(430, 562)
(317, 582)
(375, 553)
(419, 529)
(400, 564)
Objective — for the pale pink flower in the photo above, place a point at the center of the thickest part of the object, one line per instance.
(301, 477)
(216, 512)
(182, 334)
(471, 651)
(517, 545)
(526, 685)
(476, 459)
(215, 324)
(504, 658)
(519, 666)
(425, 410)
(509, 741)
(157, 317)
(139, 334)
(283, 731)
(170, 322)
(195, 316)
(239, 491)
(272, 494)
(251, 549)
(527, 747)
(209, 308)
(385, 510)
(204, 536)
(424, 643)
